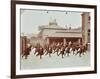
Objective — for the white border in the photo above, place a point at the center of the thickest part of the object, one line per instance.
(40, 71)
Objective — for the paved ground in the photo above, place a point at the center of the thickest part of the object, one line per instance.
(34, 62)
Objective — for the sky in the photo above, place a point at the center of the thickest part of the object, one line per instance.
(31, 19)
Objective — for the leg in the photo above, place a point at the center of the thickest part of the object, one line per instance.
(68, 54)
(26, 56)
(83, 53)
(40, 56)
(46, 53)
(57, 54)
(80, 54)
(77, 52)
(37, 54)
(53, 51)
(49, 54)
(73, 52)
(62, 56)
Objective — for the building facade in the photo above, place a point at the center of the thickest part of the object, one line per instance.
(85, 28)
(24, 41)
(54, 33)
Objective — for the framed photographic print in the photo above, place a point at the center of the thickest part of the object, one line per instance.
(52, 39)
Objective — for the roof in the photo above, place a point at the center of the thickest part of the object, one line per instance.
(66, 35)
(52, 25)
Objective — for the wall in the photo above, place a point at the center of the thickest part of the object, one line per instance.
(5, 39)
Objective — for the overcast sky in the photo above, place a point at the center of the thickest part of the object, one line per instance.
(31, 19)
